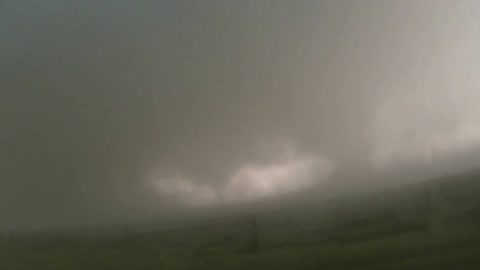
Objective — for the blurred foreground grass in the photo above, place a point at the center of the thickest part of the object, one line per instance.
(431, 226)
(454, 250)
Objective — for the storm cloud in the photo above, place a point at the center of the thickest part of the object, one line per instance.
(114, 109)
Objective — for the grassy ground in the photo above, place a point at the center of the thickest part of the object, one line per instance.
(432, 226)
(457, 250)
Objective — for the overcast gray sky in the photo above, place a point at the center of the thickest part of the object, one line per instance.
(115, 108)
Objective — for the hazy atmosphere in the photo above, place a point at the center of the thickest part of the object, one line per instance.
(113, 111)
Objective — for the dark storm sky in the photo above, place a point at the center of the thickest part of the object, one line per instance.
(110, 109)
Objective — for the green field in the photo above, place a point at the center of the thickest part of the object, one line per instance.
(432, 225)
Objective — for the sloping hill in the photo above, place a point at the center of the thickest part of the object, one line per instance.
(428, 225)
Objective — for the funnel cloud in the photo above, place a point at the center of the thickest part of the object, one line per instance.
(287, 172)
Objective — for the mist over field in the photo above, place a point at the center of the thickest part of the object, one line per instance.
(121, 111)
